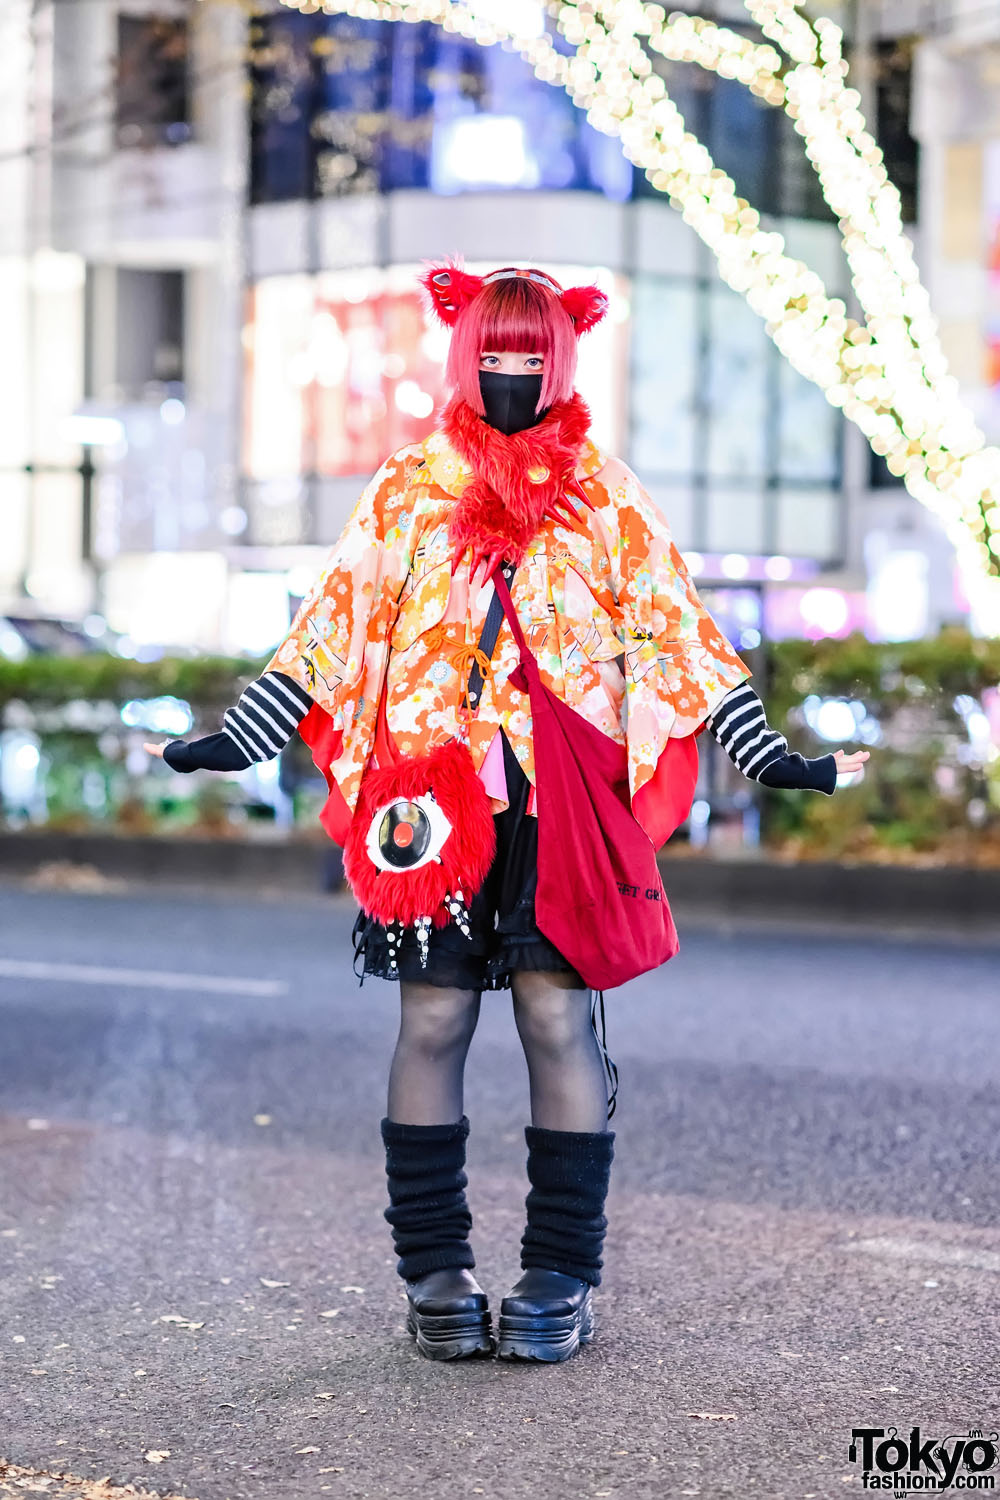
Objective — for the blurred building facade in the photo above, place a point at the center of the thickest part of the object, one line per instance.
(208, 253)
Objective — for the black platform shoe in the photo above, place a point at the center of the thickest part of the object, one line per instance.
(449, 1315)
(546, 1315)
(549, 1313)
(425, 1166)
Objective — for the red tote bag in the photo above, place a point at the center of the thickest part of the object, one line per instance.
(600, 898)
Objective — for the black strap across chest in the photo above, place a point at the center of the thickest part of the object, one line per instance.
(488, 636)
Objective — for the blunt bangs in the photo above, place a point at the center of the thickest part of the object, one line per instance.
(520, 316)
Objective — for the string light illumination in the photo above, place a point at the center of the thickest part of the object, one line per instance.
(888, 374)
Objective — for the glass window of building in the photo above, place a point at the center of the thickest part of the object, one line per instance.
(893, 94)
(666, 360)
(723, 427)
(754, 143)
(737, 389)
(149, 330)
(809, 430)
(344, 105)
(152, 93)
(347, 105)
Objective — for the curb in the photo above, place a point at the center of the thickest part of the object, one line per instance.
(956, 895)
(243, 864)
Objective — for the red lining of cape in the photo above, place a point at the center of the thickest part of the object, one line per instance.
(663, 802)
(325, 745)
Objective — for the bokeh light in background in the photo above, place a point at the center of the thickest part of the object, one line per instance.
(342, 368)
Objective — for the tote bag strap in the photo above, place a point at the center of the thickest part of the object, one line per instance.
(500, 584)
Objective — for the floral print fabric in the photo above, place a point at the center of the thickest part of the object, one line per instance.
(607, 606)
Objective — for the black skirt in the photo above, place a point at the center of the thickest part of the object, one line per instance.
(503, 935)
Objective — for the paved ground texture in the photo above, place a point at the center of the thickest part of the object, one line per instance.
(197, 1290)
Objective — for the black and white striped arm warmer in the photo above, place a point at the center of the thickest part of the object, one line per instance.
(257, 728)
(760, 752)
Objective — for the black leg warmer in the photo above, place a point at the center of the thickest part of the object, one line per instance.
(569, 1171)
(427, 1209)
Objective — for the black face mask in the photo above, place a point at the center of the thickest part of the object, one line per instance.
(510, 400)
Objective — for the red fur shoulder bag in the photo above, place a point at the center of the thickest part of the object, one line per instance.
(422, 838)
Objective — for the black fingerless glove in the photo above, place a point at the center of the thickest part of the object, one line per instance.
(216, 752)
(795, 773)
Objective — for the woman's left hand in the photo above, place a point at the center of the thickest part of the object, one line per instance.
(848, 764)
(155, 749)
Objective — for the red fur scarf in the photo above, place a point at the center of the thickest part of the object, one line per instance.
(516, 477)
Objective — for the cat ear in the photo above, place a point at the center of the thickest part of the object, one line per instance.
(586, 305)
(450, 289)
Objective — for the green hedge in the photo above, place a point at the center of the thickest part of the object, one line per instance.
(921, 797)
(884, 675)
(207, 682)
(73, 706)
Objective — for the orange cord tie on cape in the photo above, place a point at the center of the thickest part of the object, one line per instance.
(464, 658)
(435, 637)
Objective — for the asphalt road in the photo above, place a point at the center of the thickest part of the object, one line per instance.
(197, 1290)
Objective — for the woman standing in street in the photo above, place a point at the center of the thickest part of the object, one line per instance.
(400, 674)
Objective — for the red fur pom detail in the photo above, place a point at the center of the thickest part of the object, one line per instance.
(517, 477)
(586, 305)
(465, 855)
(450, 289)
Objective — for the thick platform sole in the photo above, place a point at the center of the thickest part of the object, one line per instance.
(453, 1336)
(549, 1339)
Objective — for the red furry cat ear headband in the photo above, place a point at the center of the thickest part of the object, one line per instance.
(451, 289)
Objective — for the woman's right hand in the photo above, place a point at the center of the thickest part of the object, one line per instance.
(850, 762)
(155, 749)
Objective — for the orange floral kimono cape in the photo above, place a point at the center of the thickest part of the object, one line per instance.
(608, 608)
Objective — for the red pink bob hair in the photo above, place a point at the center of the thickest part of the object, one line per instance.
(515, 310)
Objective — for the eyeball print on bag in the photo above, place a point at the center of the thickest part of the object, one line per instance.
(420, 843)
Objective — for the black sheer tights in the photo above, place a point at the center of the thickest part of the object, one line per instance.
(565, 1070)
(428, 1067)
